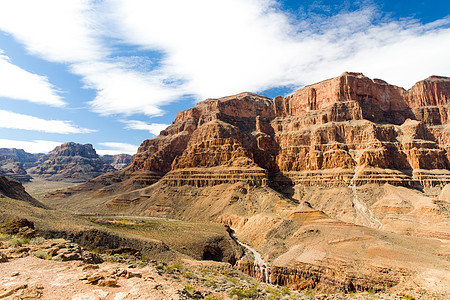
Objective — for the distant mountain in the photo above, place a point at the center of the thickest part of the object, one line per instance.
(13, 169)
(19, 155)
(118, 161)
(70, 162)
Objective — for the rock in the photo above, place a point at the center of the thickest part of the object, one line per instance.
(3, 257)
(18, 226)
(91, 258)
(93, 279)
(131, 274)
(107, 282)
(70, 162)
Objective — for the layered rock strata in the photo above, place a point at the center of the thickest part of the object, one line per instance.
(318, 135)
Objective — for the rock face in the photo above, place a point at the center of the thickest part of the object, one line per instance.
(13, 169)
(71, 162)
(318, 135)
(118, 161)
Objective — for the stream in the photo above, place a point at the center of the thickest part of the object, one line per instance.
(261, 269)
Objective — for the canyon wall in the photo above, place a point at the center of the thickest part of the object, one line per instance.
(319, 135)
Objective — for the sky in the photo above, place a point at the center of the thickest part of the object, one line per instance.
(114, 73)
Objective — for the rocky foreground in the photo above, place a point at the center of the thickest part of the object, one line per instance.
(38, 268)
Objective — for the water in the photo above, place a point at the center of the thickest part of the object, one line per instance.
(261, 269)
(361, 210)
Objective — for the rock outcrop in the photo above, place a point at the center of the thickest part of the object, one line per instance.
(118, 161)
(70, 162)
(348, 128)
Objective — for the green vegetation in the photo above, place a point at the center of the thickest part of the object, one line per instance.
(16, 241)
(213, 297)
(41, 254)
(37, 240)
(245, 292)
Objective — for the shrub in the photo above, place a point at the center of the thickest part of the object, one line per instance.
(37, 240)
(41, 254)
(18, 241)
(245, 292)
(213, 297)
(187, 274)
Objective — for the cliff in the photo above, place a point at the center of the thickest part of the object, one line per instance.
(398, 136)
(15, 190)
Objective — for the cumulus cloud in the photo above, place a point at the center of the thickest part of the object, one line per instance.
(123, 91)
(216, 48)
(19, 121)
(226, 47)
(153, 128)
(58, 31)
(17, 83)
(36, 146)
(117, 148)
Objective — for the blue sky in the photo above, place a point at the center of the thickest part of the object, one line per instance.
(114, 73)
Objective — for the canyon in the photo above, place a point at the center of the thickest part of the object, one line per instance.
(342, 186)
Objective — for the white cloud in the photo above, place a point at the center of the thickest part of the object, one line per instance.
(36, 146)
(19, 84)
(225, 47)
(59, 31)
(153, 128)
(122, 91)
(19, 121)
(117, 148)
(217, 48)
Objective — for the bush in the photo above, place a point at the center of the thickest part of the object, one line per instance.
(187, 274)
(41, 254)
(18, 241)
(37, 240)
(242, 293)
(213, 297)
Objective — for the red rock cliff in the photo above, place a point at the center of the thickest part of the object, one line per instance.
(319, 134)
